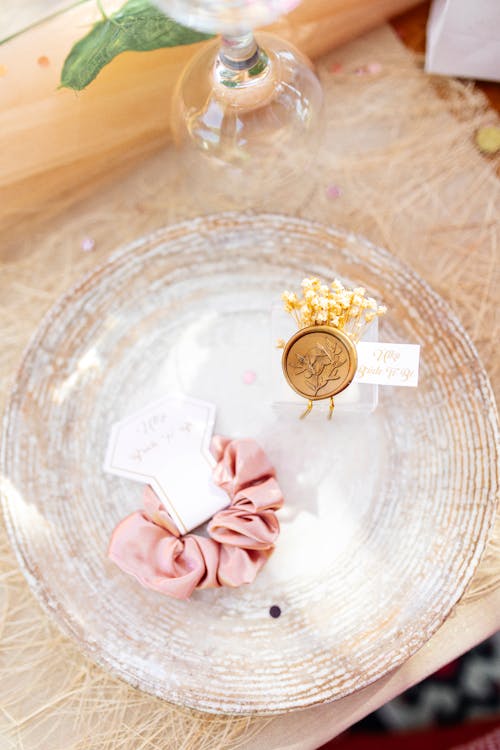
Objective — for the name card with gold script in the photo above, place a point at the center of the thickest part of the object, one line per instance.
(167, 445)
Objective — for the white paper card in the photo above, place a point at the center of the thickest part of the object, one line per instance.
(167, 445)
(387, 364)
(463, 39)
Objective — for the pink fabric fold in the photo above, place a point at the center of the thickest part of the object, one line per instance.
(250, 521)
(148, 546)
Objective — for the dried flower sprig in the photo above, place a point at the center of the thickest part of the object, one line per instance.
(349, 310)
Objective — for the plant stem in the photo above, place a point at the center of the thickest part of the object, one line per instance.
(42, 20)
(102, 11)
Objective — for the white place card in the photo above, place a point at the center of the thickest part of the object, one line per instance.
(387, 364)
(167, 445)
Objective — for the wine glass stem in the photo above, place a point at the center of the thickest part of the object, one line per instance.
(239, 52)
(242, 74)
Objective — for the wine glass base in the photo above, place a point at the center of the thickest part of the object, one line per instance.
(258, 129)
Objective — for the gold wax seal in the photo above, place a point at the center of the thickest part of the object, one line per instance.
(319, 362)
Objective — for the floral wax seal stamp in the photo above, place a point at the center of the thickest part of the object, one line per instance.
(319, 362)
(321, 359)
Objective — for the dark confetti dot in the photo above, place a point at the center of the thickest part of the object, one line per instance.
(275, 611)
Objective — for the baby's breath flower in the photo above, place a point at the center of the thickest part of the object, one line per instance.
(290, 299)
(347, 309)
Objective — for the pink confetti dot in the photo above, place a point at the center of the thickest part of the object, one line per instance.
(336, 67)
(249, 377)
(333, 191)
(87, 244)
(371, 69)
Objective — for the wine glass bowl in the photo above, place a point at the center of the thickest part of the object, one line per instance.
(226, 16)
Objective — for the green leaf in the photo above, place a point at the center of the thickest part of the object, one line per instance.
(137, 26)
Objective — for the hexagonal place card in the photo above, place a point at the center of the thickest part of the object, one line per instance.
(167, 445)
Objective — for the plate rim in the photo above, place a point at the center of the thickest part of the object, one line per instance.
(41, 591)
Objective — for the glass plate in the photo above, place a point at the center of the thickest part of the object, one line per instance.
(386, 514)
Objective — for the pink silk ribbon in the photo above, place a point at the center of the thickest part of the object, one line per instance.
(148, 545)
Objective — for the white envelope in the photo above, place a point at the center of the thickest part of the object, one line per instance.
(463, 39)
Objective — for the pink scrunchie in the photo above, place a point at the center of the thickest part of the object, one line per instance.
(148, 545)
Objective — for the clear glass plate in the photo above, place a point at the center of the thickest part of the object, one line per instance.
(386, 514)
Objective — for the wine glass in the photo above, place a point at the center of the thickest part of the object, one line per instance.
(249, 103)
